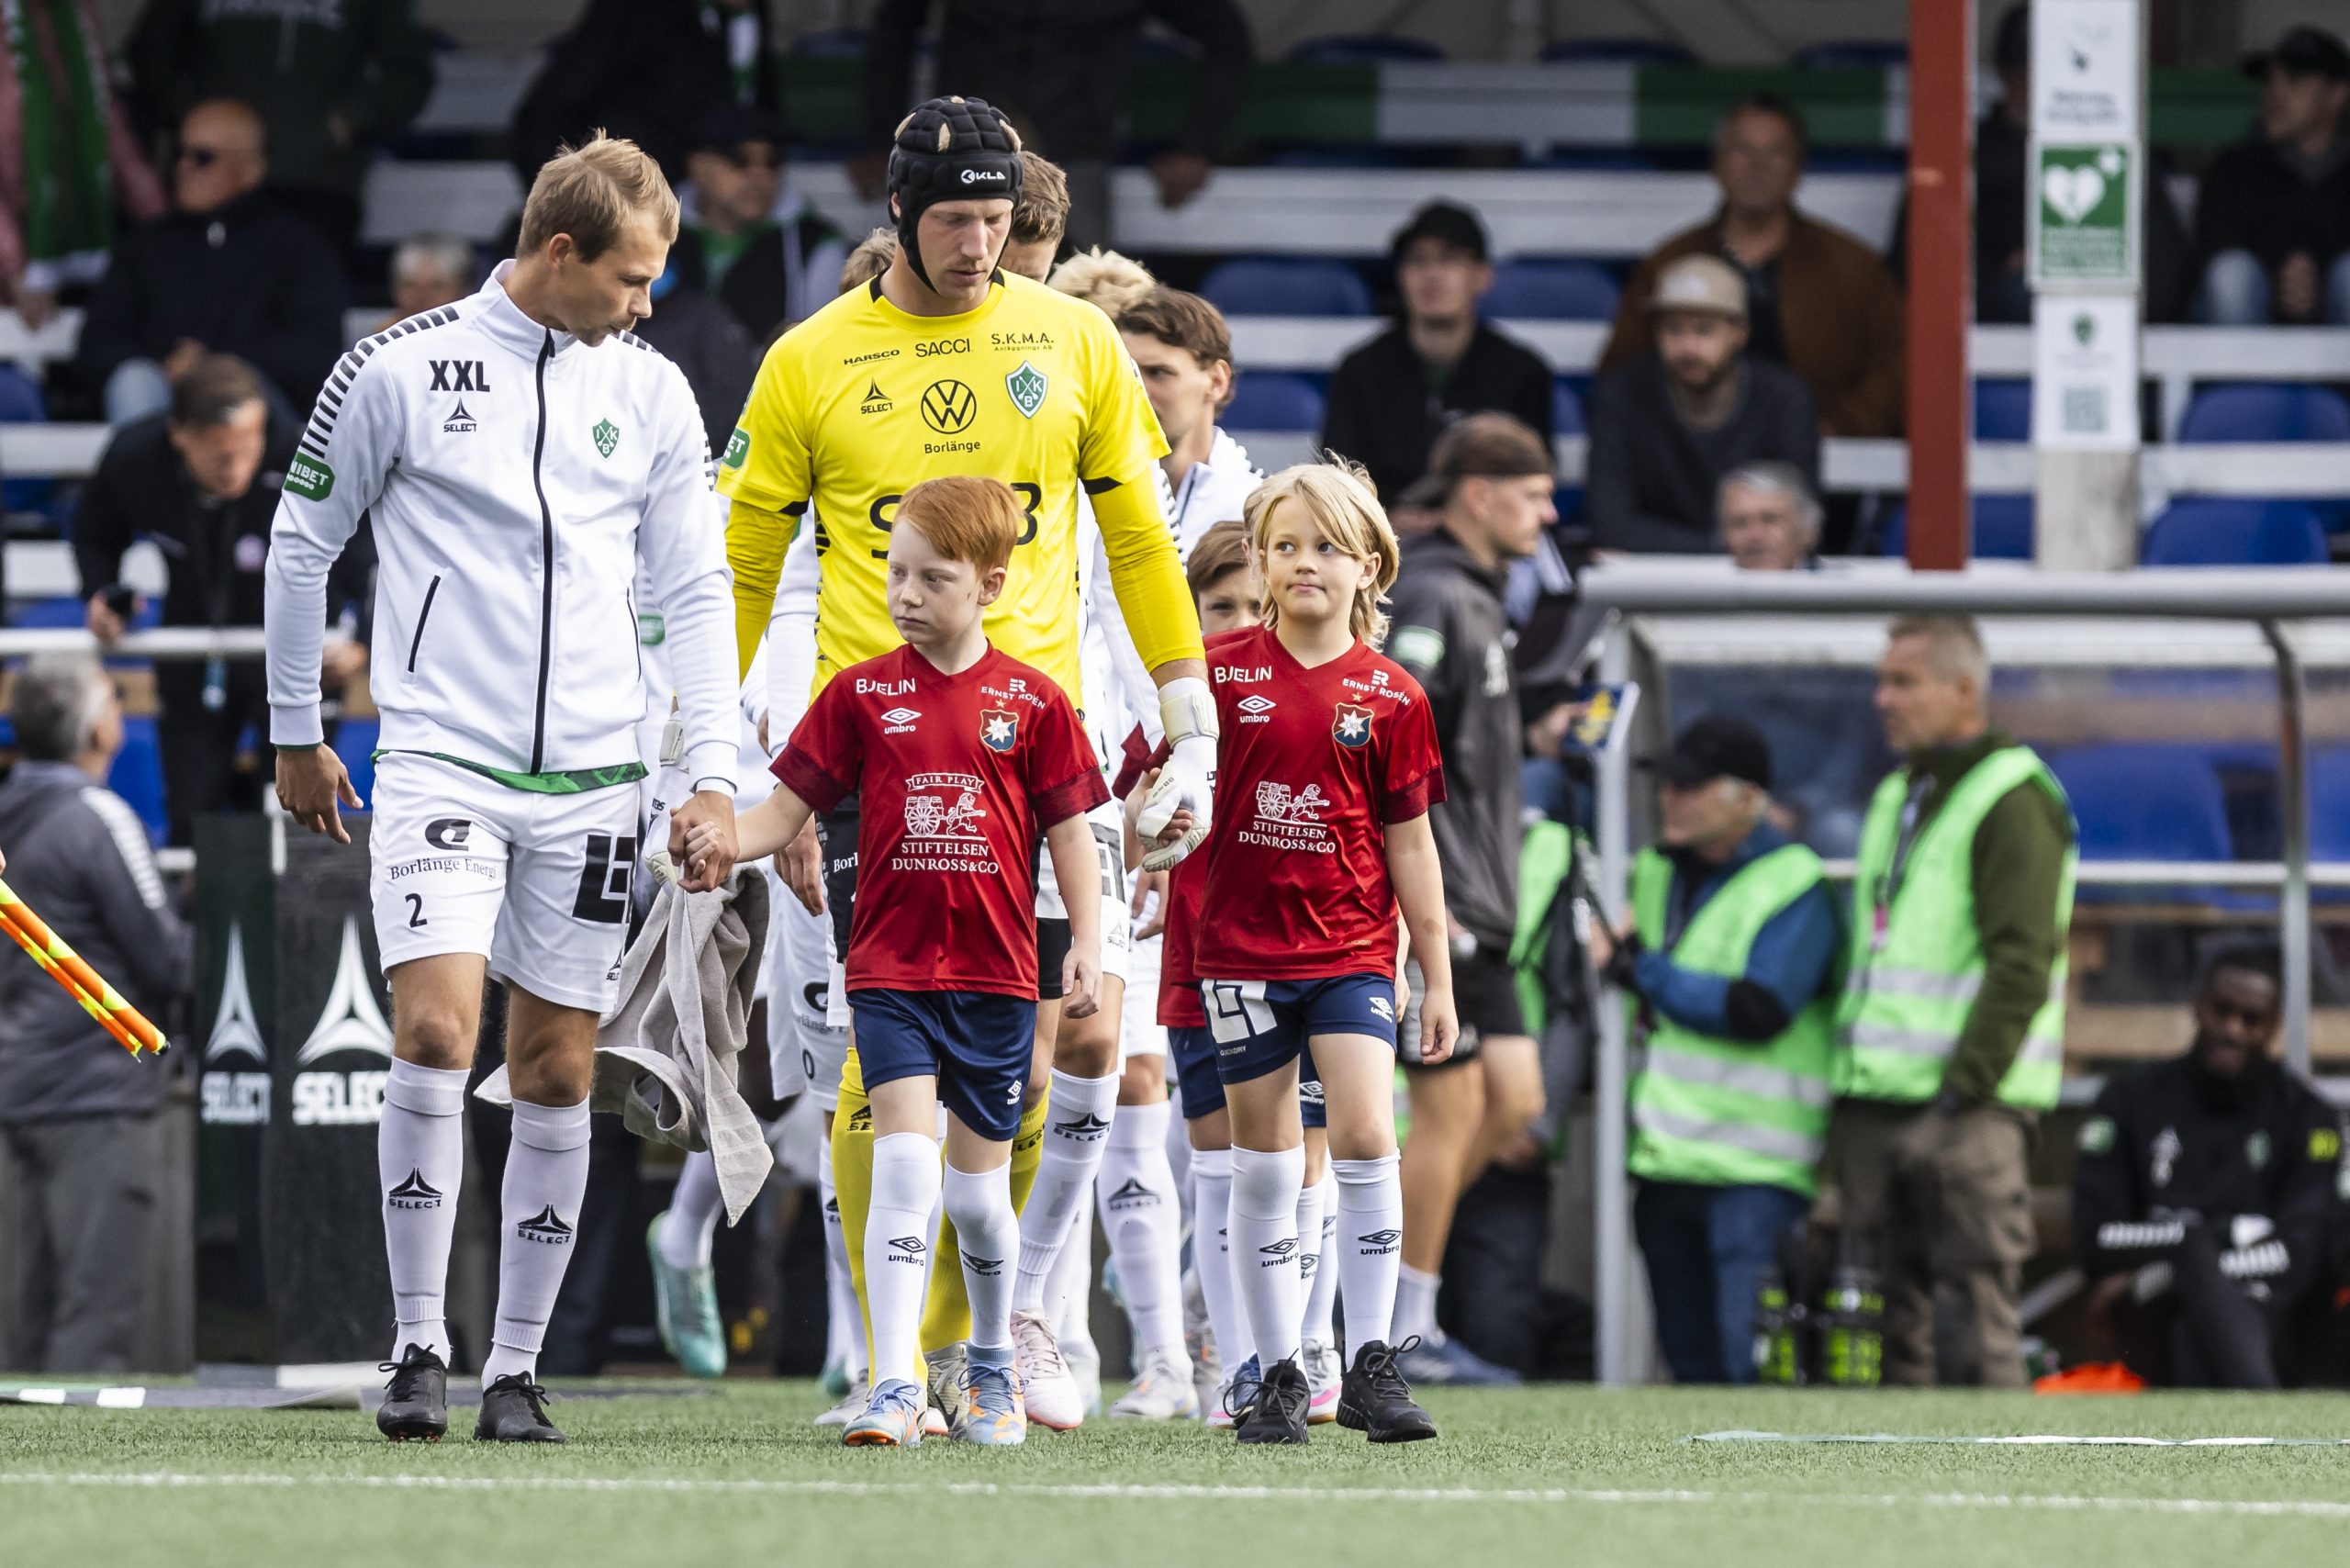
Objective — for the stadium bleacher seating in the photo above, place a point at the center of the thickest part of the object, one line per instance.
(1618, 51)
(2147, 801)
(1552, 288)
(2003, 529)
(1362, 49)
(2002, 410)
(2266, 412)
(1278, 285)
(138, 774)
(2221, 531)
(1845, 54)
(1274, 401)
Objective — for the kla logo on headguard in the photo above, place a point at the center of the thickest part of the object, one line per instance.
(231, 1098)
(351, 1021)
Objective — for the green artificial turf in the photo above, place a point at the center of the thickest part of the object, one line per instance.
(1549, 1475)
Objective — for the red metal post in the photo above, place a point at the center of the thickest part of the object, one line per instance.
(1941, 289)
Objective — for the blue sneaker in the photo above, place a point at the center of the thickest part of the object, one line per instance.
(1437, 1360)
(893, 1418)
(685, 1307)
(994, 1414)
(1237, 1397)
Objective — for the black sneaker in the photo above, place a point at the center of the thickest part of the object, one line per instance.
(1374, 1399)
(514, 1410)
(1278, 1406)
(416, 1400)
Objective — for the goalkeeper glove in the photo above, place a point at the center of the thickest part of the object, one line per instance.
(1187, 782)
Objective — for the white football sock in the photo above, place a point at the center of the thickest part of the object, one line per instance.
(1136, 1194)
(1068, 1288)
(989, 1235)
(1317, 1222)
(1076, 1131)
(694, 1208)
(1212, 1256)
(1264, 1184)
(1178, 1154)
(421, 1155)
(1415, 1308)
(546, 1175)
(897, 1255)
(1368, 1251)
(844, 1325)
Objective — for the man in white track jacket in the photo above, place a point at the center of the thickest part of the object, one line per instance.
(521, 455)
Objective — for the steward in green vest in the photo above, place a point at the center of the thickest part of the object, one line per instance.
(1951, 1028)
(1730, 967)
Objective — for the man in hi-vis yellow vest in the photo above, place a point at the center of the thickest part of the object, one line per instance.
(1951, 1029)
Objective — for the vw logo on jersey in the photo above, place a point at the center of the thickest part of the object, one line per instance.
(948, 406)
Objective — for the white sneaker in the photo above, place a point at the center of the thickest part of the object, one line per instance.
(1207, 1368)
(1162, 1390)
(1324, 1373)
(1054, 1399)
(1083, 1359)
(852, 1405)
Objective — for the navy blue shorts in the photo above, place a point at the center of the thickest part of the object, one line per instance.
(1203, 1091)
(977, 1044)
(1259, 1026)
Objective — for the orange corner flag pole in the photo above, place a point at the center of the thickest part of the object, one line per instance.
(101, 1000)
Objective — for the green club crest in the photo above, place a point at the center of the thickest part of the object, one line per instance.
(1027, 387)
(608, 436)
(738, 448)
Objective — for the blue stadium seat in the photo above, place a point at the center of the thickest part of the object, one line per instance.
(354, 741)
(22, 404)
(1269, 400)
(2148, 802)
(1566, 409)
(1551, 289)
(1845, 54)
(2002, 529)
(1362, 49)
(2217, 530)
(2259, 411)
(2330, 804)
(138, 774)
(2003, 411)
(65, 612)
(1286, 287)
(1618, 51)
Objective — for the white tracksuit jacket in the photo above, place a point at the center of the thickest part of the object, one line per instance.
(516, 478)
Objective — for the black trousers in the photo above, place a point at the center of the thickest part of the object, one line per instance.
(200, 744)
(2207, 1330)
(89, 1187)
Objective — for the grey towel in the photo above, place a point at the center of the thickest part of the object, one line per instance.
(666, 1054)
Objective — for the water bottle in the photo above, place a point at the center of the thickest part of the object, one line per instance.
(1778, 1333)
(1852, 1328)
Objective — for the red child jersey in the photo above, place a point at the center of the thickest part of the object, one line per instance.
(1179, 981)
(955, 776)
(1313, 765)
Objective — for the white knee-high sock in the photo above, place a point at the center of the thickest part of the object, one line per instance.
(897, 1251)
(1264, 1184)
(1413, 1312)
(420, 1154)
(1076, 1133)
(546, 1175)
(1370, 1250)
(844, 1323)
(694, 1208)
(1136, 1193)
(1212, 1256)
(1179, 1158)
(1317, 1221)
(989, 1235)
(1068, 1288)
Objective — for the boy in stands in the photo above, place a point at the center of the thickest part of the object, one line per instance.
(962, 757)
(1330, 750)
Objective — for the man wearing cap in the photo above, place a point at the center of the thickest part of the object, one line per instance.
(1950, 1031)
(1819, 300)
(1447, 627)
(1667, 426)
(769, 257)
(1392, 398)
(1730, 963)
(2273, 222)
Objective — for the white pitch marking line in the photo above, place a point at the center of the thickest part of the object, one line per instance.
(2282, 1508)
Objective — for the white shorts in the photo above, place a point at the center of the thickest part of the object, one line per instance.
(805, 1049)
(1108, 822)
(537, 884)
(1140, 1033)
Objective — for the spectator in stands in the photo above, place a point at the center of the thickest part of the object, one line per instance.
(226, 272)
(1818, 300)
(704, 338)
(1039, 219)
(57, 226)
(1667, 425)
(1183, 351)
(1392, 398)
(870, 259)
(1770, 518)
(1730, 956)
(1953, 1022)
(1448, 630)
(650, 70)
(201, 481)
(2273, 220)
(2203, 1189)
(771, 258)
(334, 85)
(430, 271)
(80, 1141)
(1061, 69)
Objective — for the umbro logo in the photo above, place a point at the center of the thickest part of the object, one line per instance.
(908, 1244)
(900, 720)
(1087, 1129)
(832, 1208)
(546, 1228)
(1384, 1007)
(905, 1249)
(1131, 1194)
(415, 1192)
(1256, 706)
(460, 376)
(986, 1268)
(1380, 1242)
(1277, 1252)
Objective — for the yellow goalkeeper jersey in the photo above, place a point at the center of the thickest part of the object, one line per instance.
(861, 401)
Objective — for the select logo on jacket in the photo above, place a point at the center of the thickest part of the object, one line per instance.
(459, 423)
(546, 1228)
(233, 1098)
(415, 1192)
(350, 1022)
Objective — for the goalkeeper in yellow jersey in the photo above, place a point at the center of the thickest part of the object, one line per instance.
(946, 365)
